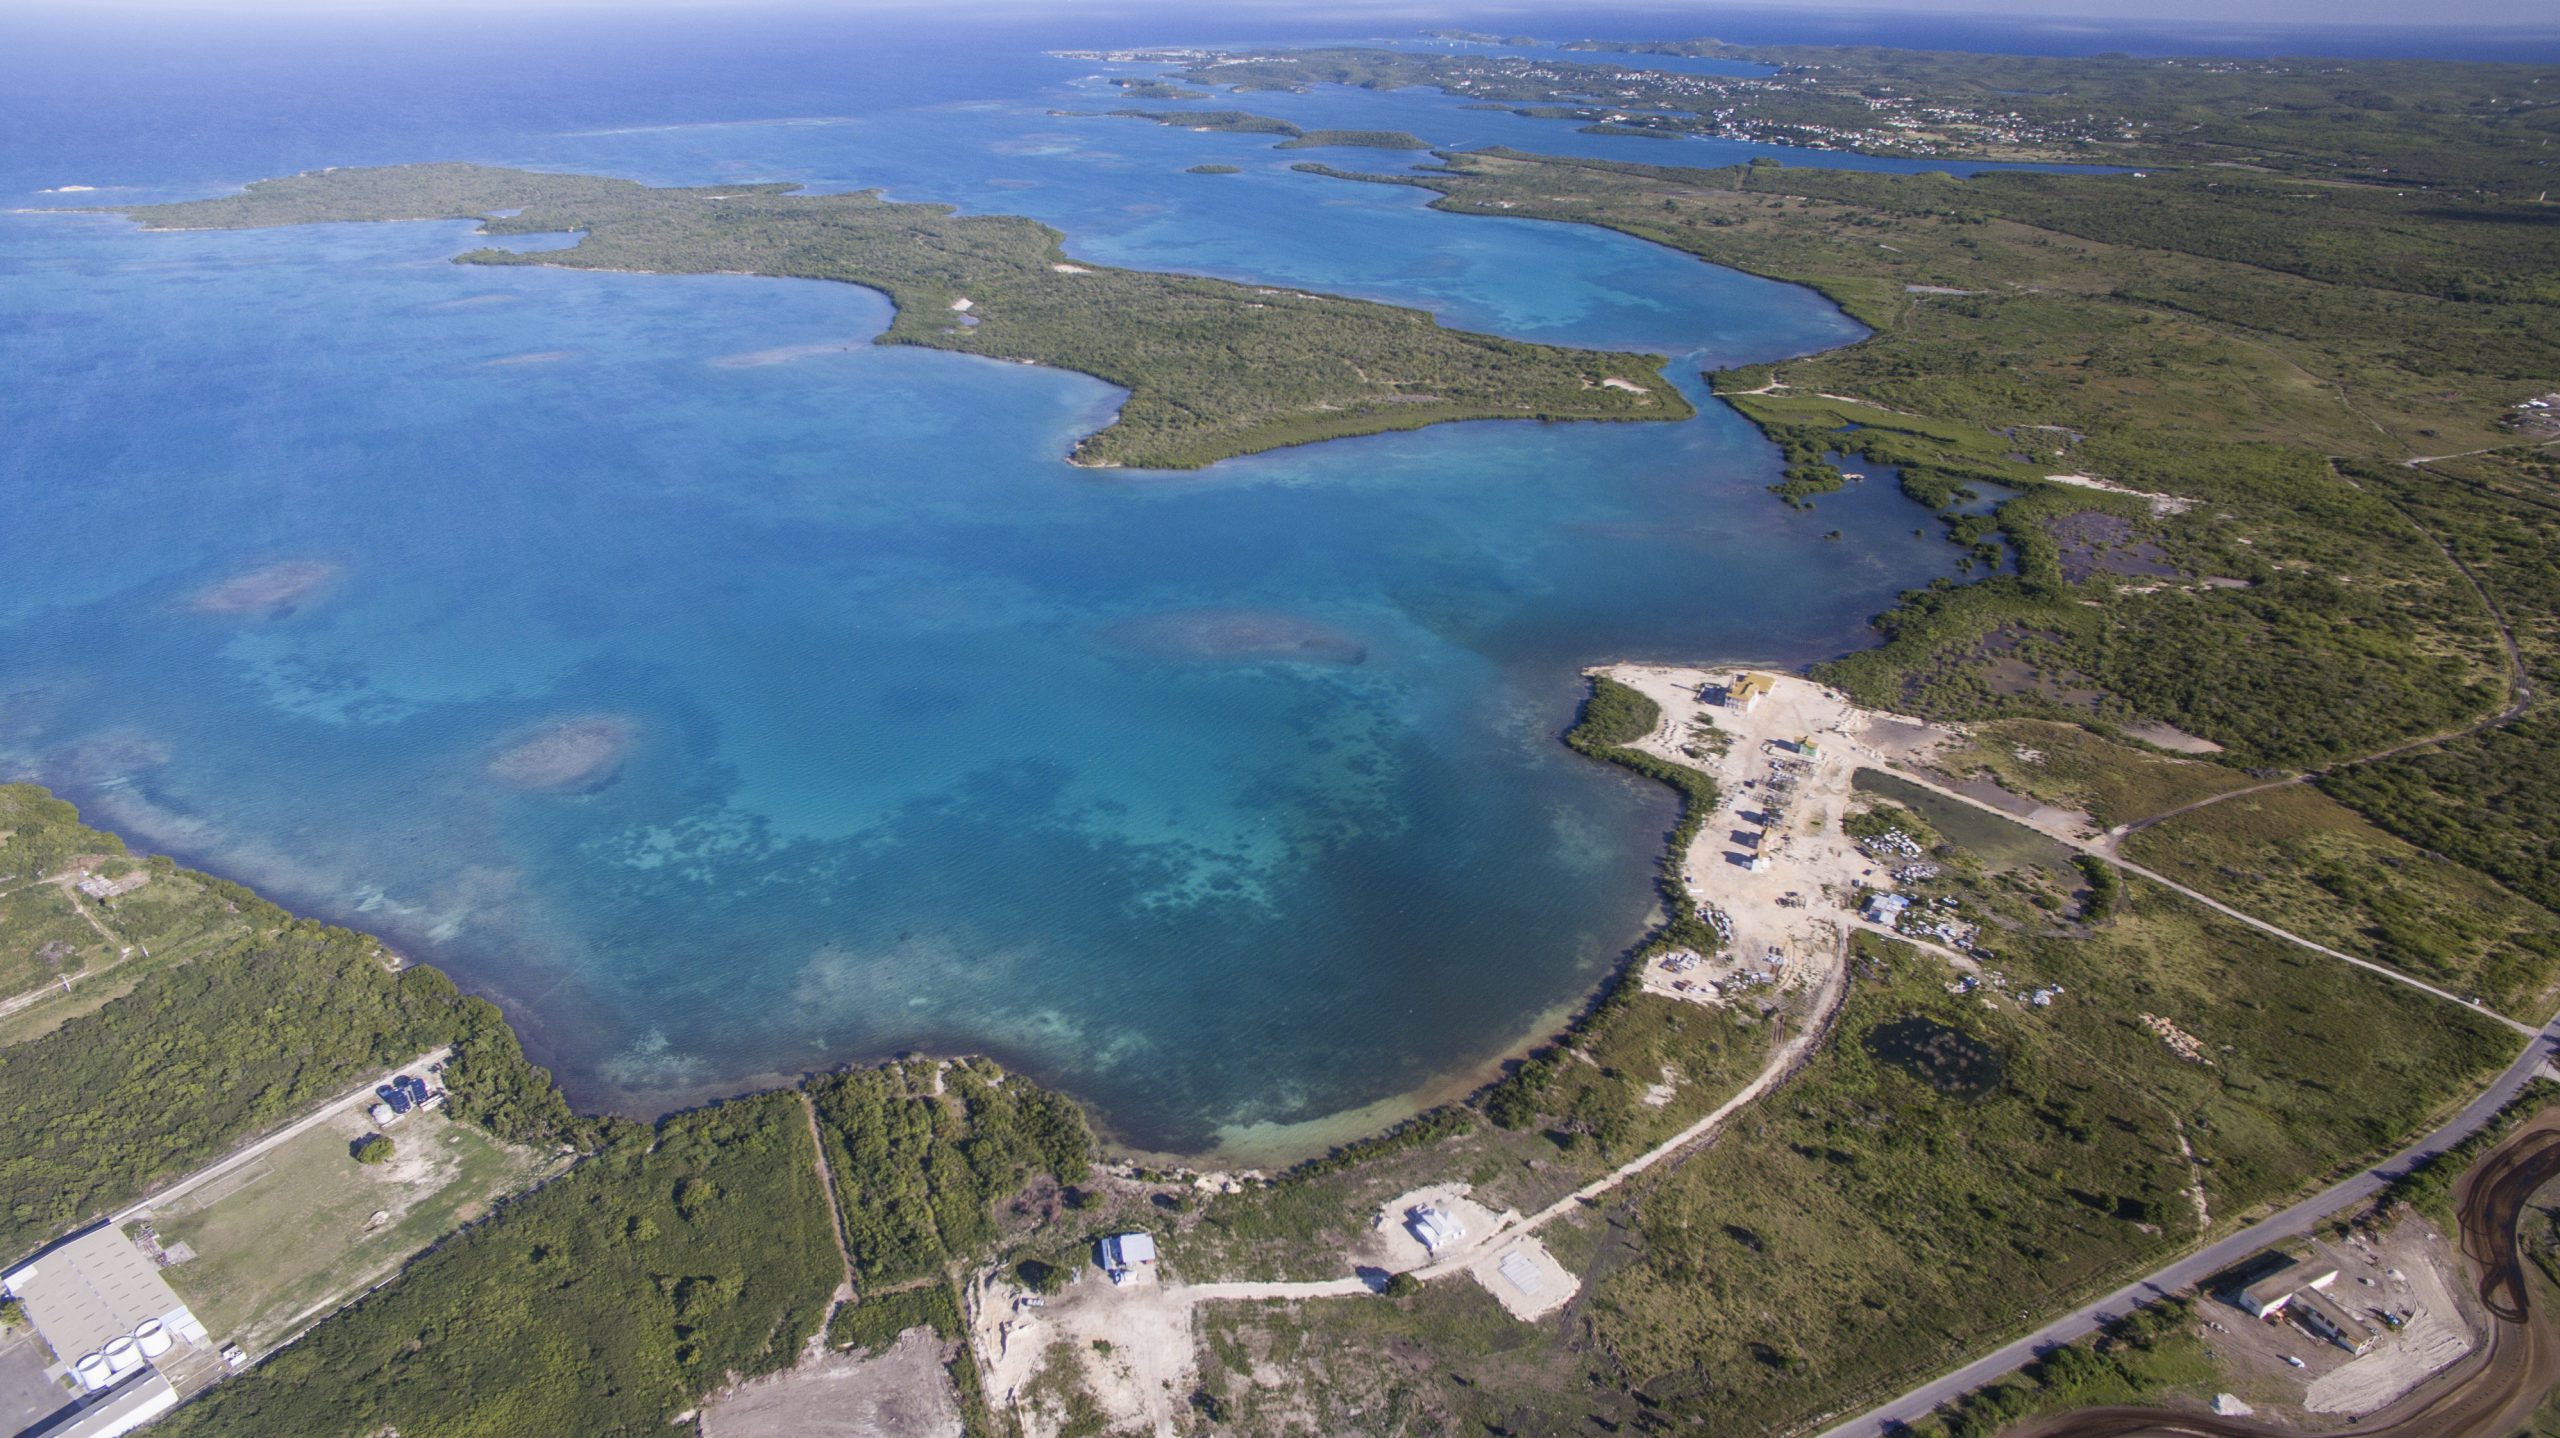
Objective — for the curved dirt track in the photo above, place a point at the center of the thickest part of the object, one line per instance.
(2489, 1394)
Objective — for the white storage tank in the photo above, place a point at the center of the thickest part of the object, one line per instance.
(124, 1358)
(94, 1377)
(152, 1338)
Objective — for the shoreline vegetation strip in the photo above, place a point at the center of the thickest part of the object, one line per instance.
(2252, 365)
(1213, 369)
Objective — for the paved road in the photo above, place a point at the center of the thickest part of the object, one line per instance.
(2193, 1269)
(287, 1134)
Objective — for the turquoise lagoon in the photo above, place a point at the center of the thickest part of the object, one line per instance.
(935, 743)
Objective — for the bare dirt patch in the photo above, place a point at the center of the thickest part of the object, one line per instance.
(902, 1393)
(1392, 1244)
(2408, 1272)
(2160, 503)
(1131, 1350)
(2170, 737)
(2404, 1273)
(1525, 1279)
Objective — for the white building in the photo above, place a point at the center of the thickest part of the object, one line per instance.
(112, 1319)
(1124, 1256)
(116, 1413)
(1435, 1227)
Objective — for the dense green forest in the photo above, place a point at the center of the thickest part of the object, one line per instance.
(605, 1303)
(923, 1150)
(202, 1055)
(1356, 140)
(1213, 369)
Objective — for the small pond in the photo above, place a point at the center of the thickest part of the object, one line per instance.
(1947, 1059)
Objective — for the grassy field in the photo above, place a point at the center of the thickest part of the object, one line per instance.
(295, 1234)
(2068, 766)
(1446, 1360)
(170, 921)
(2262, 600)
(2492, 800)
(1213, 369)
(1954, 1164)
(1599, 1101)
(1919, 1218)
(676, 1258)
(2301, 860)
(43, 936)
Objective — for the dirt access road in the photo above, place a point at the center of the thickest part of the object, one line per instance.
(2187, 1272)
(287, 1134)
(2489, 1394)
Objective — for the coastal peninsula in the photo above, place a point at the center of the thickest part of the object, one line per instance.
(1213, 369)
(2057, 957)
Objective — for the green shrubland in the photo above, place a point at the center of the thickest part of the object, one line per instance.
(1213, 369)
(875, 1323)
(675, 1258)
(278, 1015)
(922, 1150)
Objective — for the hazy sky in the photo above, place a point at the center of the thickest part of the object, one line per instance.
(1692, 18)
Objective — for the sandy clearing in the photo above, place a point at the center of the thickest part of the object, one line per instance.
(2170, 737)
(1071, 269)
(1142, 1380)
(1774, 804)
(1630, 386)
(903, 1393)
(1552, 1285)
(2441, 1328)
(1392, 1244)
(2161, 504)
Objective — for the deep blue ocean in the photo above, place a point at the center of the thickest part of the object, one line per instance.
(933, 746)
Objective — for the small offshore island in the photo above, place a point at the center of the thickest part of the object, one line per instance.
(1213, 369)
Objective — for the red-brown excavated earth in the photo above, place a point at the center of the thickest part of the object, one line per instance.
(2489, 1394)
